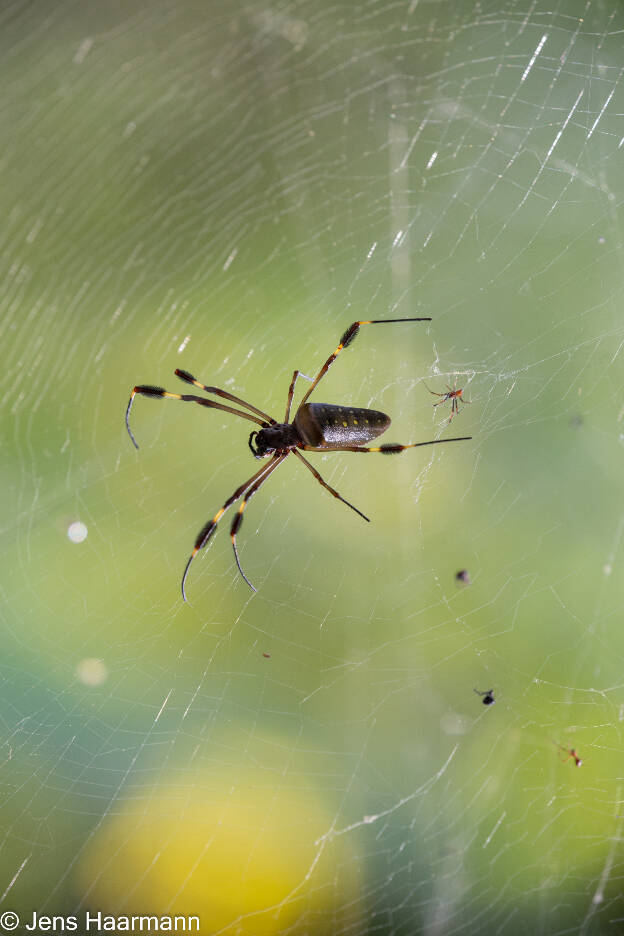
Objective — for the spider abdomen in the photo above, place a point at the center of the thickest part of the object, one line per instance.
(329, 424)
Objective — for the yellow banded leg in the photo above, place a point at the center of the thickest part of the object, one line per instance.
(209, 528)
(160, 393)
(188, 378)
(238, 517)
(346, 340)
(388, 449)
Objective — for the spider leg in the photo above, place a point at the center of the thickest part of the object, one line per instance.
(184, 375)
(388, 449)
(209, 528)
(291, 391)
(346, 339)
(158, 392)
(238, 517)
(435, 393)
(327, 486)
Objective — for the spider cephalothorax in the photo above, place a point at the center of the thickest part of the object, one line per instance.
(280, 437)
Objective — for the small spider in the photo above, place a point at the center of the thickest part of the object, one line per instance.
(488, 696)
(316, 427)
(571, 754)
(463, 577)
(454, 394)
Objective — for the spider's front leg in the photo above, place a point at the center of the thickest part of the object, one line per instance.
(209, 528)
(161, 393)
(238, 517)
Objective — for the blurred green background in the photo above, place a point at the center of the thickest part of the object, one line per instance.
(224, 187)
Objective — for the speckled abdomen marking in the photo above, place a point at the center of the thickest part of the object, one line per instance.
(319, 423)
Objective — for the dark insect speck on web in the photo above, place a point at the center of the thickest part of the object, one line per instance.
(488, 696)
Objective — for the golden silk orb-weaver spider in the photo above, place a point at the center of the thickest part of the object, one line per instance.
(454, 395)
(316, 427)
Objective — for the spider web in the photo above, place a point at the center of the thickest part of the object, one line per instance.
(225, 187)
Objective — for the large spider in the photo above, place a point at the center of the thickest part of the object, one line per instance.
(317, 427)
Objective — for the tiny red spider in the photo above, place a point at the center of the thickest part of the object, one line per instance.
(454, 395)
(571, 755)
